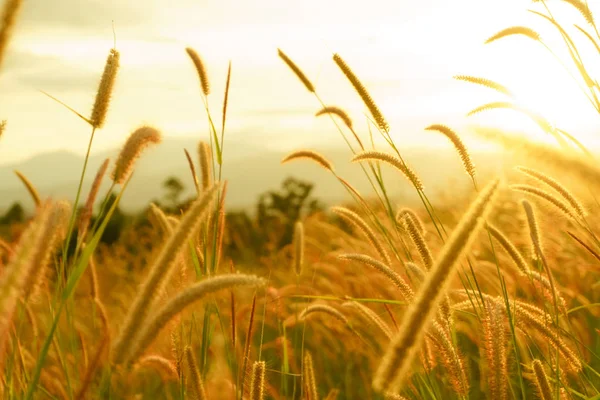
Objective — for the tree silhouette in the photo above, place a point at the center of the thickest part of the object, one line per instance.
(174, 189)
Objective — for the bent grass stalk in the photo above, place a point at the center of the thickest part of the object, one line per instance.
(157, 320)
(159, 273)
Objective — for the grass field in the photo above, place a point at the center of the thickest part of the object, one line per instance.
(493, 292)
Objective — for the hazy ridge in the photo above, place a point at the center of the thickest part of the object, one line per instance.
(249, 170)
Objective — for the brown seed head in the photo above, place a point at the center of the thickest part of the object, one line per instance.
(137, 142)
(105, 89)
(363, 93)
(9, 16)
(307, 83)
(201, 69)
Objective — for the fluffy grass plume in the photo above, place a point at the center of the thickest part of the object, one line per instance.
(9, 16)
(485, 82)
(542, 385)
(534, 231)
(495, 350)
(538, 119)
(195, 376)
(53, 233)
(458, 144)
(550, 198)
(308, 375)
(296, 70)
(582, 7)
(450, 357)
(105, 90)
(257, 383)
(160, 271)
(200, 69)
(298, 247)
(356, 220)
(408, 213)
(205, 157)
(394, 161)
(563, 191)
(323, 308)
(22, 265)
(392, 275)
(311, 155)
(337, 111)
(157, 320)
(370, 316)
(514, 30)
(510, 248)
(35, 196)
(192, 170)
(162, 365)
(137, 142)
(399, 355)
(419, 241)
(363, 93)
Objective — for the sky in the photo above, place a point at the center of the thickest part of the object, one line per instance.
(405, 52)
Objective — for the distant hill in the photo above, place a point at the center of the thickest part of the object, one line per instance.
(249, 170)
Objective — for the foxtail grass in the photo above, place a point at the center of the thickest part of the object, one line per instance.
(160, 270)
(131, 151)
(88, 209)
(297, 71)
(308, 373)
(35, 196)
(204, 155)
(419, 241)
(105, 90)
(311, 155)
(257, 384)
(7, 22)
(514, 30)
(356, 220)
(392, 275)
(563, 191)
(200, 69)
(363, 93)
(195, 376)
(459, 145)
(158, 319)
(542, 385)
(393, 161)
(398, 358)
(486, 83)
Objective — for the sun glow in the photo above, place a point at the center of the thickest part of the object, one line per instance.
(547, 88)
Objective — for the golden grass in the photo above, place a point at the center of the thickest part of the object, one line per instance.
(430, 300)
